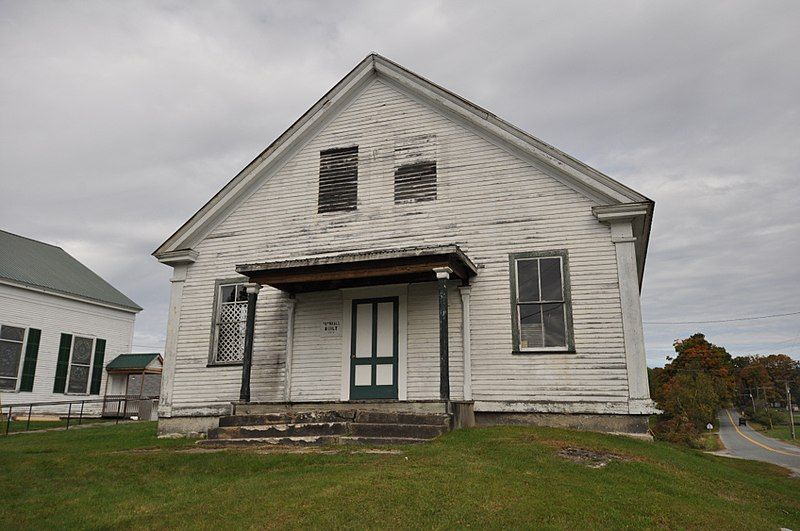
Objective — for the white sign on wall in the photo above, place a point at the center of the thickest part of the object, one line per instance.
(332, 328)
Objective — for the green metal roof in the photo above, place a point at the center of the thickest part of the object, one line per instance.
(131, 361)
(41, 265)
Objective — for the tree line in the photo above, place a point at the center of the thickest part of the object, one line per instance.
(703, 378)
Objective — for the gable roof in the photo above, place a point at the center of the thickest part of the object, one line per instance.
(581, 177)
(126, 362)
(34, 264)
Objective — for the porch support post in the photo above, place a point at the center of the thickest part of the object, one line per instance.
(247, 362)
(442, 275)
(465, 335)
(287, 383)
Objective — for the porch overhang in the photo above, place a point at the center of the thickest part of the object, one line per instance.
(362, 268)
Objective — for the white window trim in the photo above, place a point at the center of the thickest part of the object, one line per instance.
(21, 357)
(91, 364)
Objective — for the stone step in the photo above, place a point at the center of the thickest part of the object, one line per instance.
(416, 431)
(287, 417)
(307, 441)
(269, 441)
(399, 417)
(279, 430)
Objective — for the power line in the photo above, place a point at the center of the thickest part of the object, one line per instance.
(722, 320)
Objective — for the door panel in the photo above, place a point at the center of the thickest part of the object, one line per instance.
(363, 327)
(374, 349)
(385, 347)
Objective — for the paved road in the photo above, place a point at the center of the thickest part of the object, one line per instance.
(746, 443)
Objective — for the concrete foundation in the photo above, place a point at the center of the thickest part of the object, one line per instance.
(632, 425)
(186, 426)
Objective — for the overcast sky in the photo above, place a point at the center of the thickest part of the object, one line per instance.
(119, 120)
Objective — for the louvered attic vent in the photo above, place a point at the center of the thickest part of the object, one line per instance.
(338, 179)
(415, 182)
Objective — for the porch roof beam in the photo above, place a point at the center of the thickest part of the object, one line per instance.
(360, 269)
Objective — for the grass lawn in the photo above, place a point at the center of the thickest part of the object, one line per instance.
(124, 477)
(779, 432)
(22, 424)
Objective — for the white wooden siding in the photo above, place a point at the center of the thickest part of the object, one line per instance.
(53, 316)
(489, 202)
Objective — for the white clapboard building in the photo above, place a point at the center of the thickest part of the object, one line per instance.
(403, 250)
(60, 323)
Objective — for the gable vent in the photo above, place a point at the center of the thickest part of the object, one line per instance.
(338, 179)
(415, 169)
(415, 182)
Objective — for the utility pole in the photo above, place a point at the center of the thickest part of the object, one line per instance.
(791, 414)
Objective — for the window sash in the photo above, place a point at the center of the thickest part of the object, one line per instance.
(73, 364)
(16, 379)
(563, 301)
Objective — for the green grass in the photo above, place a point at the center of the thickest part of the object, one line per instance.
(783, 433)
(124, 477)
(22, 424)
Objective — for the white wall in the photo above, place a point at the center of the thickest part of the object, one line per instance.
(490, 202)
(55, 315)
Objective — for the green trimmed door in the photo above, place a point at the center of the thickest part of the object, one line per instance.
(373, 351)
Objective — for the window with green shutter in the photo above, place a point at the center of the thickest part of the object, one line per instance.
(62, 366)
(97, 366)
(31, 355)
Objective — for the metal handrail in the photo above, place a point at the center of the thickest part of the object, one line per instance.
(120, 399)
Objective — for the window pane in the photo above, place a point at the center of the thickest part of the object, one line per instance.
(78, 378)
(241, 293)
(551, 279)
(7, 384)
(82, 350)
(228, 293)
(12, 332)
(530, 326)
(528, 280)
(555, 333)
(10, 352)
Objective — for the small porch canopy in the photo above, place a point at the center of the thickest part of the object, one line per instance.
(363, 268)
(135, 368)
(354, 269)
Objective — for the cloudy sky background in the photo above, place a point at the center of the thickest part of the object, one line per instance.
(119, 120)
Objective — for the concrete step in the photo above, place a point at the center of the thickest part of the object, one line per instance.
(399, 417)
(415, 431)
(287, 417)
(309, 429)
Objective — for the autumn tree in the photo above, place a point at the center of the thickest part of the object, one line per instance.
(693, 387)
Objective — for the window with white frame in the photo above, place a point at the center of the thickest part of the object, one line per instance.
(12, 339)
(540, 302)
(230, 318)
(80, 365)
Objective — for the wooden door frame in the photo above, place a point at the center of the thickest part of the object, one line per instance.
(392, 290)
(375, 392)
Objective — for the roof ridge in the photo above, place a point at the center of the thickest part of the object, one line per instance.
(32, 240)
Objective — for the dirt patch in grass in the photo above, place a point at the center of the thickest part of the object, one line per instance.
(590, 458)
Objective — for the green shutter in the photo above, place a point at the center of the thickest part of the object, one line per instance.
(97, 366)
(63, 363)
(29, 366)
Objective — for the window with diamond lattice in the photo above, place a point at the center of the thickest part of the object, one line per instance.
(230, 323)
